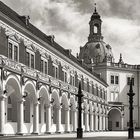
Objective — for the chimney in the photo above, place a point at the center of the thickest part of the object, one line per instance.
(25, 19)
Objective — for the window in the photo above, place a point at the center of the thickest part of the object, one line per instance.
(65, 76)
(56, 71)
(114, 79)
(129, 81)
(13, 50)
(117, 124)
(72, 80)
(30, 59)
(44, 66)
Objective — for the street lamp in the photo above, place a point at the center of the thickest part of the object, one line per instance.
(79, 129)
(131, 94)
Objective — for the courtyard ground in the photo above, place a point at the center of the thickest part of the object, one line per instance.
(118, 135)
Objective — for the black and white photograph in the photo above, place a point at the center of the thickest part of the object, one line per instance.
(69, 69)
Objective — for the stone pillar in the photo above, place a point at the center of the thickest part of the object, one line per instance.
(58, 119)
(106, 127)
(36, 118)
(86, 121)
(20, 117)
(2, 114)
(91, 121)
(82, 118)
(48, 119)
(104, 123)
(67, 120)
(100, 123)
(96, 122)
(74, 120)
(122, 122)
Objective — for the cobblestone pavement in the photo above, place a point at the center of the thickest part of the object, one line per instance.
(119, 135)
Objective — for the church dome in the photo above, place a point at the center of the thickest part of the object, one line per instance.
(97, 52)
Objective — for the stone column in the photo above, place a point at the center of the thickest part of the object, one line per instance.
(48, 119)
(96, 121)
(100, 123)
(104, 123)
(91, 121)
(122, 122)
(106, 127)
(20, 117)
(58, 119)
(36, 118)
(74, 120)
(2, 114)
(86, 121)
(67, 120)
(82, 118)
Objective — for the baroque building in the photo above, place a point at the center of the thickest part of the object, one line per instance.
(39, 82)
(97, 55)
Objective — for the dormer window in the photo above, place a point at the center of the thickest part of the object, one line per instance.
(13, 50)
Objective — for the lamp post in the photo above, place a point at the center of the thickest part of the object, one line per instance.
(131, 129)
(79, 129)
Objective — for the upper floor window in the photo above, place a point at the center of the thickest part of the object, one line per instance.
(129, 81)
(56, 71)
(13, 50)
(44, 66)
(72, 80)
(65, 76)
(30, 59)
(114, 79)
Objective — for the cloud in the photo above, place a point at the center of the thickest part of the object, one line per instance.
(68, 21)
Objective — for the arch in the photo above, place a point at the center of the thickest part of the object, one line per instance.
(64, 101)
(72, 103)
(114, 119)
(55, 96)
(44, 101)
(12, 85)
(44, 94)
(30, 89)
(114, 108)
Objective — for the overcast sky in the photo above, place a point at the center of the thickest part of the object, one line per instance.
(68, 20)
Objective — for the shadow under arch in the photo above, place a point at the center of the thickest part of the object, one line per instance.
(114, 119)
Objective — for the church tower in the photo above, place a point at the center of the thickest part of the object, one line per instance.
(95, 27)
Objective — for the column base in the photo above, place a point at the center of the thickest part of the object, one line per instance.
(48, 132)
(20, 133)
(35, 133)
(3, 134)
(58, 132)
(67, 131)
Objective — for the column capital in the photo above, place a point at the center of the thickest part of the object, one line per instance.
(3, 96)
(37, 103)
(21, 100)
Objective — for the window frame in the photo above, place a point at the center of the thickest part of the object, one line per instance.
(13, 44)
(31, 53)
(44, 62)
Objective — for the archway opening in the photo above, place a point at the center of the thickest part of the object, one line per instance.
(114, 120)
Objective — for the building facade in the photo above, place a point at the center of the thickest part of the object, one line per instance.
(39, 82)
(97, 55)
